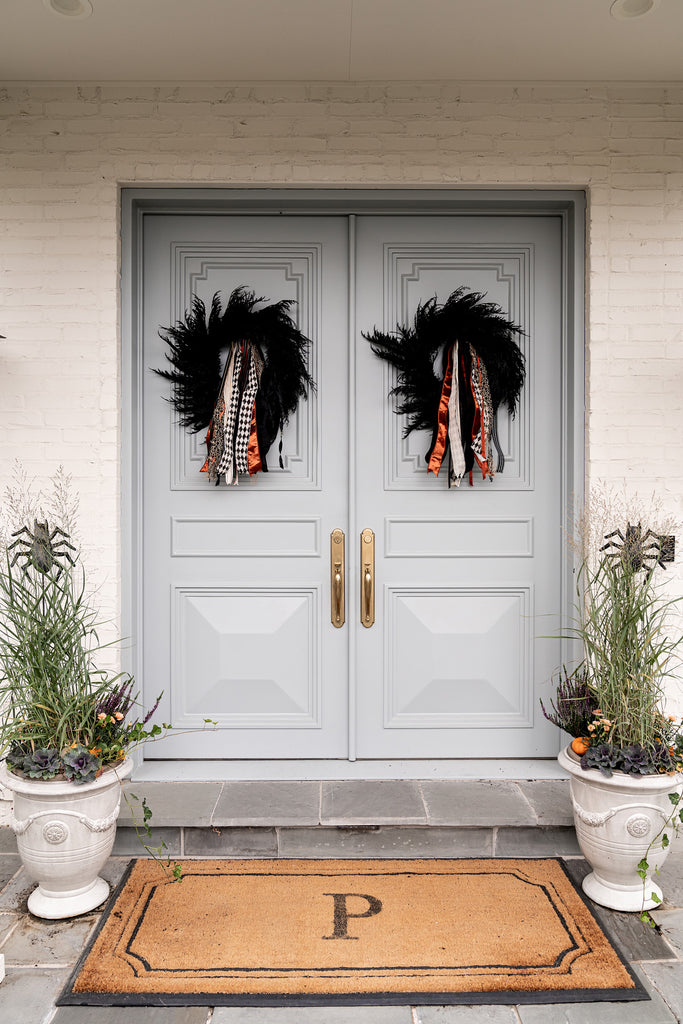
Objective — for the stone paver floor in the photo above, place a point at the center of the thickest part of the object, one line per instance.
(39, 956)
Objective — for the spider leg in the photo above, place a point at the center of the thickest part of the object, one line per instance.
(614, 533)
(23, 543)
(60, 546)
(24, 529)
(57, 530)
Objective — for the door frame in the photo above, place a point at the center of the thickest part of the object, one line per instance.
(137, 203)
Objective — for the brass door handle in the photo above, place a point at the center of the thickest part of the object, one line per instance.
(367, 589)
(337, 573)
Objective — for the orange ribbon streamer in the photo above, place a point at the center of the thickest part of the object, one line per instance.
(439, 449)
(254, 463)
(209, 435)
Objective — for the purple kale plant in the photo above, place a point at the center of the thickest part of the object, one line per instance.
(636, 760)
(17, 755)
(80, 765)
(605, 757)
(41, 764)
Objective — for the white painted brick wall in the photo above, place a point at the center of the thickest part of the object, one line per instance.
(64, 151)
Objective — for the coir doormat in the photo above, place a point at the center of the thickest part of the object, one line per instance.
(278, 932)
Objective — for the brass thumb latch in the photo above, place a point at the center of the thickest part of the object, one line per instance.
(367, 581)
(337, 584)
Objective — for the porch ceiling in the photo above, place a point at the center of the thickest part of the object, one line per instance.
(340, 40)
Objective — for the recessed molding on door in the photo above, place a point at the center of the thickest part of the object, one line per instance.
(196, 270)
(275, 631)
(458, 537)
(484, 692)
(511, 269)
(267, 537)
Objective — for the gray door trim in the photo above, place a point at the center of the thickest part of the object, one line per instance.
(140, 203)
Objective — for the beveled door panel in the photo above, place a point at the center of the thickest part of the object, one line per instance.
(461, 572)
(458, 658)
(246, 657)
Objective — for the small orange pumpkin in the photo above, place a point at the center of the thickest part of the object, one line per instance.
(580, 745)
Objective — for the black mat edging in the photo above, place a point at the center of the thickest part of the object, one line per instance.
(614, 942)
(68, 997)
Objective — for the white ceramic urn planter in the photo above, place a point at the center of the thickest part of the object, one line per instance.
(65, 833)
(616, 819)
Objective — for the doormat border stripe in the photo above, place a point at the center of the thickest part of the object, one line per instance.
(68, 997)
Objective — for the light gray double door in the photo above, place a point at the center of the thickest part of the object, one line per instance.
(236, 591)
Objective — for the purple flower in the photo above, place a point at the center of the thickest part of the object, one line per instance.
(572, 709)
(121, 699)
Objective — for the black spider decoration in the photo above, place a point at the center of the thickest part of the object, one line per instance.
(44, 549)
(634, 552)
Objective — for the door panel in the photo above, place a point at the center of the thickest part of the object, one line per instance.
(236, 614)
(486, 630)
(461, 573)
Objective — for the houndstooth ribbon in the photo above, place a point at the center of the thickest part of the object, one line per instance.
(226, 462)
(481, 441)
(244, 417)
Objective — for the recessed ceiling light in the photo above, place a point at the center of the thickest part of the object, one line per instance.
(623, 9)
(70, 8)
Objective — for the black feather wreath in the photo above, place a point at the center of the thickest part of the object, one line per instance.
(198, 343)
(419, 352)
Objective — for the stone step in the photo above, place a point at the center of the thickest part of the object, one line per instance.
(402, 818)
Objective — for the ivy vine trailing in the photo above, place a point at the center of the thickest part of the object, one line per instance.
(675, 822)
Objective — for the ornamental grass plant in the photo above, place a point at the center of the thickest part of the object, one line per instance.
(615, 701)
(62, 715)
(629, 654)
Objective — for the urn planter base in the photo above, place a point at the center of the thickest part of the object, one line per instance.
(65, 833)
(54, 905)
(621, 897)
(619, 822)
